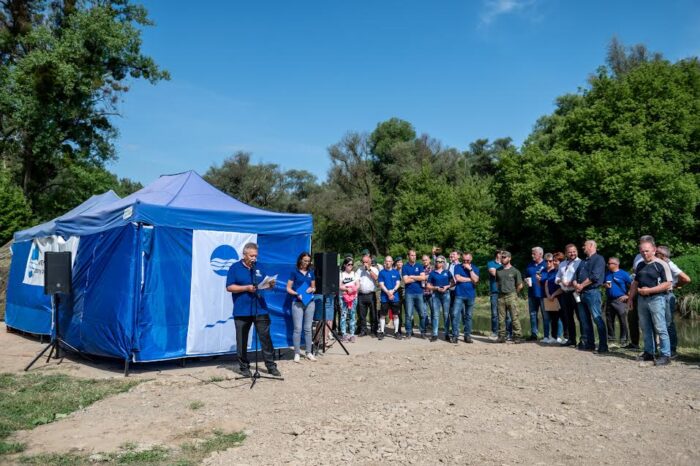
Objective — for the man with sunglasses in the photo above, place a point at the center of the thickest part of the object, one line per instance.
(466, 276)
(617, 284)
(413, 275)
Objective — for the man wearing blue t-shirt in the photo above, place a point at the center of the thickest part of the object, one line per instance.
(589, 277)
(439, 281)
(466, 275)
(413, 275)
(535, 293)
(242, 282)
(617, 284)
(389, 283)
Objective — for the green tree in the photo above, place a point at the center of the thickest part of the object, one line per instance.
(64, 66)
(619, 160)
(15, 213)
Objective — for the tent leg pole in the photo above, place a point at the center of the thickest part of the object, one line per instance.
(126, 367)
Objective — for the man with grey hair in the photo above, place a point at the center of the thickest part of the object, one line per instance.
(589, 277)
(679, 279)
(534, 292)
(242, 282)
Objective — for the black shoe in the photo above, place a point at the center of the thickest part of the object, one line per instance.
(501, 340)
(586, 348)
(398, 336)
(601, 351)
(454, 340)
(448, 338)
(274, 371)
(662, 361)
(408, 336)
(517, 340)
(421, 336)
(433, 338)
(245, 372)
(468, 340)
(631, 346)
(362, 333)
(380, 335)
(645, 357)
(532, 338)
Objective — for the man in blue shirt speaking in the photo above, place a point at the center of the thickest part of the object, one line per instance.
(242, 282)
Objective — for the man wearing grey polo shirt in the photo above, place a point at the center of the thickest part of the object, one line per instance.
(569, 306)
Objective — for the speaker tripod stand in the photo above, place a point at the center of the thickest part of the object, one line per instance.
(55, 343)
(325, 325)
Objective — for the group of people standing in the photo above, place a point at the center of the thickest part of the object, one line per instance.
(561, 288)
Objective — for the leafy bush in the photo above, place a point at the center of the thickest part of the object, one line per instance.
(690, 264)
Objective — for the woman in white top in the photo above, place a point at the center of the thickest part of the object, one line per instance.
(349, 283)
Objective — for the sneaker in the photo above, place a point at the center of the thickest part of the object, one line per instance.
(545, 340)
(517, 340)
(408, 336)
(274, 371)
(421, 336)
(398, 336)
(245, 372)
(631, 346)
(353, 339)
(662, 361)
(297, 358)
(559, 340)
(645, 357)
(454, 340)
(468, 340)
(501, 340)
(493, 336)
(433, 338)
(310, 357)
(380, 335)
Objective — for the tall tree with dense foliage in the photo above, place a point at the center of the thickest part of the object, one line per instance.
(64, 66)
(618, 160)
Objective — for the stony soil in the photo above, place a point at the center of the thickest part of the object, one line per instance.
(396, 402)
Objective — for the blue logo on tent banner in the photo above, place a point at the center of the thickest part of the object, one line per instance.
(222, 259)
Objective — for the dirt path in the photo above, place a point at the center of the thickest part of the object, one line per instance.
(401, 402)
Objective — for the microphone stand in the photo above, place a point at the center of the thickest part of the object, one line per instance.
(256, 375)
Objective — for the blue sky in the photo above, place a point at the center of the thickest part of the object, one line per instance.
(285, 80)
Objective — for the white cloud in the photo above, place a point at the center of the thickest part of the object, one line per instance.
(492, 9)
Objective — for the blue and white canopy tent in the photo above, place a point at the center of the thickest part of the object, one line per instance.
(27, 308)
(150, 272)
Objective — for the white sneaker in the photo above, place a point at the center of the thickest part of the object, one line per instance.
(546, 340)
(560, 340)
(297, 358)
(310, 356)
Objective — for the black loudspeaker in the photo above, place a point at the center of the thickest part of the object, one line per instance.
(57, 272)
(327, 272)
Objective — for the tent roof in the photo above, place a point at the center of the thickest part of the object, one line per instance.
(49, 228)
(186, 200)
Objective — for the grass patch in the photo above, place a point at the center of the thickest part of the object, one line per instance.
(189, 455)
(195, 405)
(216, 378)
(29, 400)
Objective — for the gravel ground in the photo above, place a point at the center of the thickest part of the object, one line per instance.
(396, 402)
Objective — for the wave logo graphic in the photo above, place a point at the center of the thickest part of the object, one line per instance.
(222, 259)
(34, 260)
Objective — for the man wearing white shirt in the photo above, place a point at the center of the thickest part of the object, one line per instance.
(569, 306)
(366, 295)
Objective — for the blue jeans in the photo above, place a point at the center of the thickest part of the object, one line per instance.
(593, 309)
(464, 307)
(652, 318)
(302, 316)
(535, 306)
(345, 312)
(670, 309)
(441, 305)
(494, 317)
(414, 301)
(428, 306)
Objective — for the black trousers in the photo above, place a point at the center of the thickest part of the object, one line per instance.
(568, 311)
(366, 302)
(633, 321)
(262, 325)
(614, 308)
